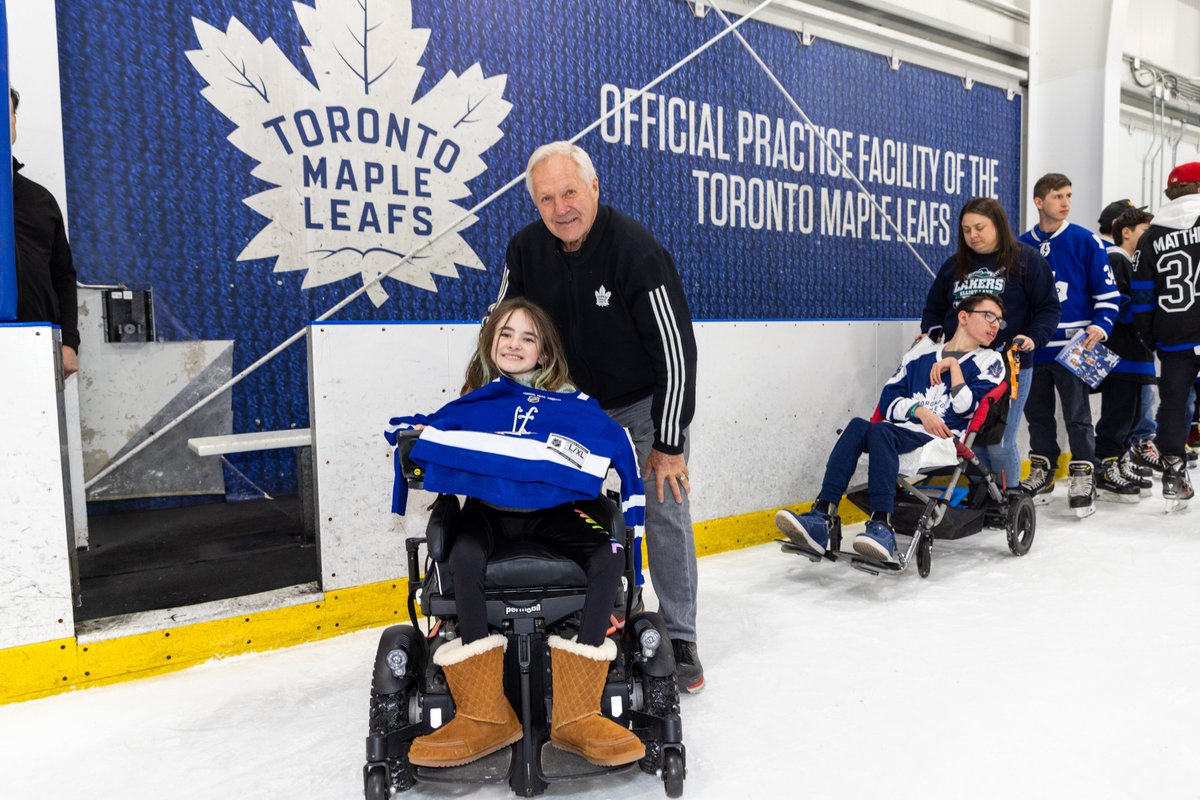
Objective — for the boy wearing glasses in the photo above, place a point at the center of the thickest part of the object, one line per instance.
(934, 393)
(1090, 302)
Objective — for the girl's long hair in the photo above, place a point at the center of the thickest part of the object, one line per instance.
(551, 374)
(1008, 249)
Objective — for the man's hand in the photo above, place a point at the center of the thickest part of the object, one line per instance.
(673, 471)
(70, 361)
(934, 425)
(1023, 343)
(1095, 334)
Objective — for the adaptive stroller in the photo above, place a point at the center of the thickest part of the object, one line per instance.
(531, 592)
(959, 505)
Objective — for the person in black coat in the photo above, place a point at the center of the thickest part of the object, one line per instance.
(45, 270)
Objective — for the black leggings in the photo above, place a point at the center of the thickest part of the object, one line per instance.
(569, 529)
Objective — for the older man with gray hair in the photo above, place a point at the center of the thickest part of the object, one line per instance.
(615, 296)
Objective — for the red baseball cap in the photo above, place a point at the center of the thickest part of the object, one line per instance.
(1185, 173)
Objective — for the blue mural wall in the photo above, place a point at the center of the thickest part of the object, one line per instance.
(357, 130)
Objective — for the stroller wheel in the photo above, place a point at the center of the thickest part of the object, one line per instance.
(925, 555)
(1022, 523)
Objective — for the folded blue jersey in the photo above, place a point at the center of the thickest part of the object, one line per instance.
(517, 447)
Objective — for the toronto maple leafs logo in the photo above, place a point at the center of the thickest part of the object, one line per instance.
(935, 399)
(602, 296)
(362, 171)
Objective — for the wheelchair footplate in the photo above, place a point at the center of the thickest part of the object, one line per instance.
(560, 765)
(857, 560)
(555, 765)
(492, 768)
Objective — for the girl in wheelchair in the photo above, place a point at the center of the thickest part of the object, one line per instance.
(524, 446)
(933, 393)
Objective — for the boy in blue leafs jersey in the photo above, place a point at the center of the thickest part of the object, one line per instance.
(932, 395)
(1090, 302)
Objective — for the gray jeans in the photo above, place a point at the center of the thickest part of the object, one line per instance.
(670, 543)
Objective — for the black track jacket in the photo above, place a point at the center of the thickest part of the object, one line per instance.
(619, 305)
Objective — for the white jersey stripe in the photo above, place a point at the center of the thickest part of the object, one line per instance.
(526, 449)
(503, 285)
(668, 329)
(669, 427)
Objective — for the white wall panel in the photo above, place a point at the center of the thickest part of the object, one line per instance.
(360, 376)
(35, 579)
(770, 398)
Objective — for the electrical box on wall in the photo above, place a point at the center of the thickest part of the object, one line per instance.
(128, 315)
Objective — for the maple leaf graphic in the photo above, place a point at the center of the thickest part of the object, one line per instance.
(362, 171)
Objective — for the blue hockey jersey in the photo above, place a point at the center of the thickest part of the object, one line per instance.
(517, 447)
(1086, 289)
(909, 387)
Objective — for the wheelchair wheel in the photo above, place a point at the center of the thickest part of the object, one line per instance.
(673, 773)
(925, 555)
(389, 712)
(1022, 523)
(662, 699)
(377, 786)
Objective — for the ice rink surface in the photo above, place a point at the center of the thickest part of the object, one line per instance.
(1068, 673)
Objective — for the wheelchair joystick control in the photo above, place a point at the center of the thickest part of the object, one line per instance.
(397, 661)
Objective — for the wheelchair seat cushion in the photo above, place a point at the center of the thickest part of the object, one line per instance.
(521, 564)
(517, 565)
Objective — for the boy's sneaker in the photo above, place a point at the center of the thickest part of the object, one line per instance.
(1191, 454)
(810, 530)
(689, 675)
(1193, 439)
(1113, 485)
(1040, 482)
(878, 541)
(1081, 488)
(1139, 476)
(1176, 485)
(1145, 454)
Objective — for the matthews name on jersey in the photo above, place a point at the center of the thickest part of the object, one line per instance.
(1166, 271)
(522, 448)
(982, 370)
(1086, 289)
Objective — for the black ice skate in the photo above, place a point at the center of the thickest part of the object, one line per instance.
(1112, 485)
(1176, 485)
(1081, 488)
(1040, 482)
(1139, 476)
(1145, 454)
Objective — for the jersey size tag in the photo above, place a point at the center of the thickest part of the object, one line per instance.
(569, 449)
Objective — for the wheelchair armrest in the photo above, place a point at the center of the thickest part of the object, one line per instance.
(414, 475)
(443, 524)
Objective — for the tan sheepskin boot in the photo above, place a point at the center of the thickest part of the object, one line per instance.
(578, 726)
(483, 720)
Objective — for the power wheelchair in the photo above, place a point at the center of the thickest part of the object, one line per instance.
(944, 492)
(531, 593)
